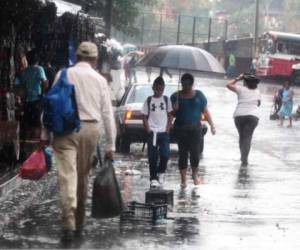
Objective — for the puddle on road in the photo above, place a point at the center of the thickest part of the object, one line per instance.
(35, 220)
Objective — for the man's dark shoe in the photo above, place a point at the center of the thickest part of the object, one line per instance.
(68, 236)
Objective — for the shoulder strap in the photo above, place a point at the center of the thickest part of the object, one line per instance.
(148, 104)
(166, 102)
(63, 76)
(63, 73)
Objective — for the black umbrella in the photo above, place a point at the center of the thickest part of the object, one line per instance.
(182, 58)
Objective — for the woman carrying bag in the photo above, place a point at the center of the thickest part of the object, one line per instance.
(246, 113)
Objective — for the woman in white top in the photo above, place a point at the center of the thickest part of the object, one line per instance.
(246, 113)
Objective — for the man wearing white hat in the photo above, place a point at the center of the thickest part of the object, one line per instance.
(74, 152)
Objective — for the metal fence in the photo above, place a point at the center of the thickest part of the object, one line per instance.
(160, 28)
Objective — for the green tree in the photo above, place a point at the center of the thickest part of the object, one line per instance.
(191, 7)
(240, 15)
(124, 11)
(290, 19)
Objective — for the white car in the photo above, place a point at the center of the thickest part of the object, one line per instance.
(129, 117)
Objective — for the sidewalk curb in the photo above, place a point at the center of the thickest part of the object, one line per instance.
(9, 185)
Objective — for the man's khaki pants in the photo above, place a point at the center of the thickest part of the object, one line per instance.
(73, 154)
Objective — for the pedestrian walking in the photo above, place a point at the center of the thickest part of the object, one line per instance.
(188, 105)
(253, 65)
(126, 68)
(231, 69)
(277, 100)
(74, 152)
(149, 71)
(132, 69)
(35, 83)
(286, 108)
(157, 119)
(246, 115)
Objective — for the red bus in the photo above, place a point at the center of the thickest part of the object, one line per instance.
(278, 52)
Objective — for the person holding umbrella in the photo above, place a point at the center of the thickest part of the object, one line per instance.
(246, 113)
(188, 105)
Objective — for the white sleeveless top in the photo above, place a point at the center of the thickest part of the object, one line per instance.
(247, 101)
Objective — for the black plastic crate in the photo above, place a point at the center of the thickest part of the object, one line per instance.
(160, 196)
(144, 212)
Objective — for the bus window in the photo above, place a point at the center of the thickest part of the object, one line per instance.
(294, 49)
(280, 48)
(270, 46)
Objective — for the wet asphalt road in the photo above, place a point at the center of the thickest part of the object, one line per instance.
(257, 207)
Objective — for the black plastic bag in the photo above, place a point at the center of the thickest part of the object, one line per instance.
(106, 200)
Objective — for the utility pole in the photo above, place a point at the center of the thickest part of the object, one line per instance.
(209, 34)
(108, 17)
(143, 29)
(256, 32)
(225, 29)
(194, 30)
(160, 29)
(178, 30)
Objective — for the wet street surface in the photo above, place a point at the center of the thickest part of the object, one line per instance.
(257, 207)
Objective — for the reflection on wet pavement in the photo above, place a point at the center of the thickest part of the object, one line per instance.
(253, 207)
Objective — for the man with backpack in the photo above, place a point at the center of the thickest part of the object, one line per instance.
(74, 150)
(157, 121)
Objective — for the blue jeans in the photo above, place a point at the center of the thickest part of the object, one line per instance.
(159, 152)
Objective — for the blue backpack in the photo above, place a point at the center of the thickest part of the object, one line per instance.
(60, 108)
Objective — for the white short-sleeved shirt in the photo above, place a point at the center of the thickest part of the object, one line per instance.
(158, 113)
(247, 101)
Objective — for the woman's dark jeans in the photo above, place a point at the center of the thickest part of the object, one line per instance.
(189, 144)
(159, 152)
(245, 126)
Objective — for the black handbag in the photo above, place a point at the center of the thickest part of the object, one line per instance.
(106, 199)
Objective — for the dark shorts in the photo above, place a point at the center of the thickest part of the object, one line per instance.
(189, 144)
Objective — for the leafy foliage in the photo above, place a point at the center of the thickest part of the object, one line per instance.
(274, 14)
(191, 7)
(124, 11)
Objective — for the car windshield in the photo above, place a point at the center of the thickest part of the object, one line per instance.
(141, 92)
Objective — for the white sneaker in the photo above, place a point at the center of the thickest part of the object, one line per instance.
(154, 184)
(161, 178)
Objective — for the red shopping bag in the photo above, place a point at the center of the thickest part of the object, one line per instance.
(34, 168)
